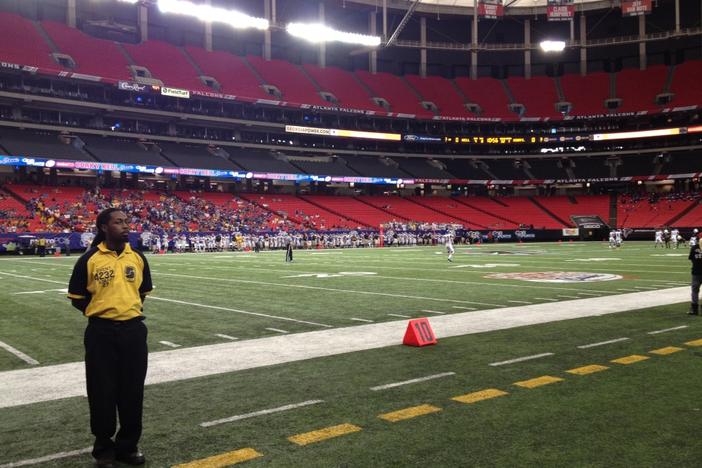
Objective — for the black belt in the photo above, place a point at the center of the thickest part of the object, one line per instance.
(107, 322)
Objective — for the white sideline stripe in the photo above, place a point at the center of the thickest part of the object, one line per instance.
(520, 302)
(18, 353)
(592, 294)
(465, 308)
(277, 330)
(48, 383)
(260, 413)
(520, 359)
(238, 311)
(46, 458)
(226, 337)
(567, 297)
(546, 299)
(602, 343)
(398, 315)
(361, 320)
(407, 382)
(169, 344)
(655, 332)
(433, 312)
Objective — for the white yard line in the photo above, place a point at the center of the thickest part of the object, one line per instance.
(546, 299)
(226, 337)
(464, 308)
(47, 383)
(277, 330)
(433, 312)
(399, 315)
(361, 320)
(64, 290)
(567, 297)
(407, 382)
(520, 302)
(18, 353)
(602, 343)
(345, 291)
(520, 359)
(655, 332)
(583, 293)
(627, 289)
(260, 413)
(169, 344)
(47, 458)
(239, 311)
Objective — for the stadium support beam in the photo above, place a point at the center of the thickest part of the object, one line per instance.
(642, 44)
(71, 13)
(583, 41)
(423, 50)
(677, 16)
(474, 42)
(373, 53)
(527, 51)
(322, 45)
(269, 14)
(143, 21)
(385, 20)
(208, 31)
(403, 22)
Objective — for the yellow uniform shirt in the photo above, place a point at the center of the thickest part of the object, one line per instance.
(113, 283)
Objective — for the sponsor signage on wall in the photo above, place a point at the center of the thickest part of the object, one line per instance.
(175, 92)
(491, 9)
(560, 10)
(636, 7)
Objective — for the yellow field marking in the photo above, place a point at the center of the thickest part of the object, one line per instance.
(585, 370)
(538, 381)
(409, 413)
(630, 359)
(480, 396)
(323, 434)
(694, 343)
(667, 350)
(223, 459)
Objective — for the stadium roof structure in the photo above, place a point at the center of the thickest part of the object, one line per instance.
(462, 7)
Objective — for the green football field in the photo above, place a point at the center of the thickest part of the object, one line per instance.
(610, 389)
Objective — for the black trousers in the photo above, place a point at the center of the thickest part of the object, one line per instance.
(289, 255)
(116, 358)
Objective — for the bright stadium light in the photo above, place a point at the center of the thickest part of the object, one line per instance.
(129, 1)
(210, 14)
(317, 33)
(552, 46)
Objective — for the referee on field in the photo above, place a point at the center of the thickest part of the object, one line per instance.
(109, 284)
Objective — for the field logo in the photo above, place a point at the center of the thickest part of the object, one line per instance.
(555, 276)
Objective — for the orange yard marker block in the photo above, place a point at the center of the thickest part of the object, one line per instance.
(419, 333)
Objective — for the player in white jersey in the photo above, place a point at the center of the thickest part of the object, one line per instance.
(674, 234)
(693, 238)
(612, 240)
(659, 239)
(449, 247)
(618, 239)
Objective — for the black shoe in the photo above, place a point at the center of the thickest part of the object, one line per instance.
(135, 458)
(694, 309)
(105, 463)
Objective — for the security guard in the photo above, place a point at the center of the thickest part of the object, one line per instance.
(696, 258)
(109, 284)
